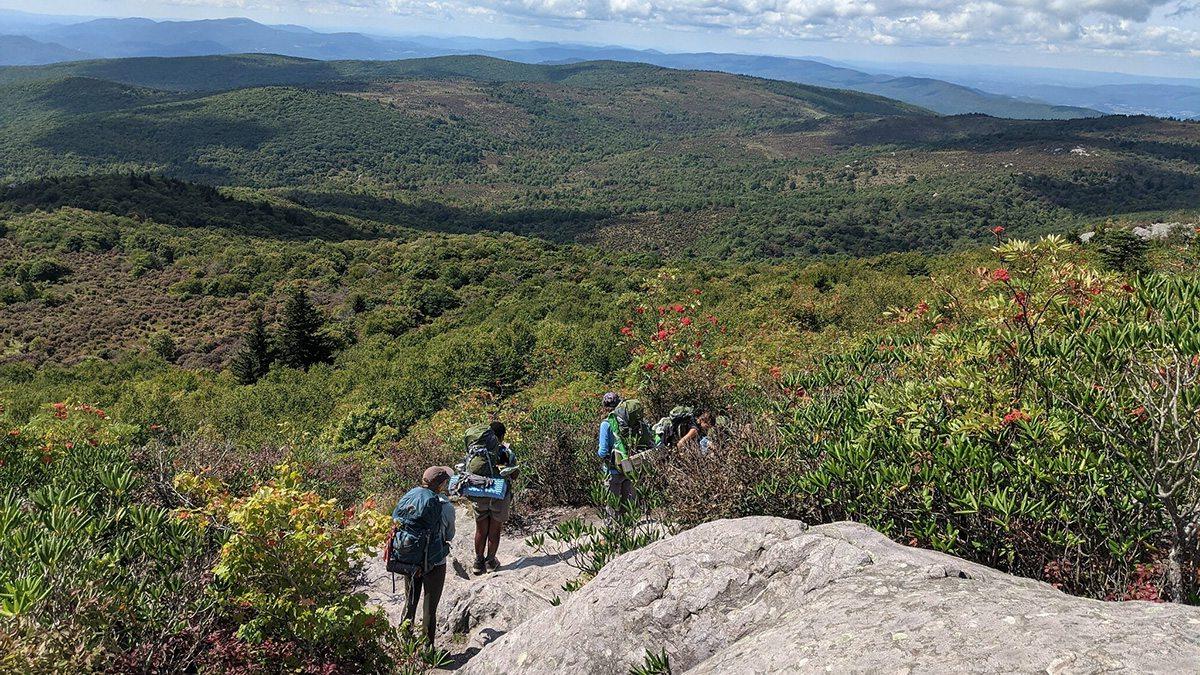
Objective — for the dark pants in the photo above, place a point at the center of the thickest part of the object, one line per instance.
(432, 583)
(621, 487)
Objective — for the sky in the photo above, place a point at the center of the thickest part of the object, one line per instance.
(1159, 37)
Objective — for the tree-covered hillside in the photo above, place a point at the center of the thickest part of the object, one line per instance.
(618, 154)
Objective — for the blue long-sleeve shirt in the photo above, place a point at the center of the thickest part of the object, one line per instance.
(607, 445)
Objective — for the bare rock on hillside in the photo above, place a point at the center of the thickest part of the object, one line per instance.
(759, 595)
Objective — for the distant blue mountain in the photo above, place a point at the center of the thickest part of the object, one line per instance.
(1000, 92)
(18, 50)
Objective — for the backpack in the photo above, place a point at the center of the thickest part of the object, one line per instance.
(632, 434)
(418, 537)
(675, 425)
(484, 454)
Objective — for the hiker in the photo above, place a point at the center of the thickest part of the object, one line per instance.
(424, 527)
(693, 428)
(678, 428)
(487, 453)
(623, 433)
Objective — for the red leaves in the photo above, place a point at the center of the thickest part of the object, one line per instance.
(60, 411)
(998, 230)
(626, 331)
(1001, 274)
(649, 366)
(1016, 416)
(686, 321)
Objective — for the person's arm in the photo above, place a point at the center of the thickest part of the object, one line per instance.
(448, 520)
(605, 442)
(690, 435)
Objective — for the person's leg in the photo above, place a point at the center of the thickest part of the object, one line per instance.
(501, 510)
(494, 538)
(628, 494)
(433, 581)
(412, 595)
(482, 528)
(613, 484)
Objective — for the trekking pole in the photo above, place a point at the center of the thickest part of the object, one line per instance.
(393, 583)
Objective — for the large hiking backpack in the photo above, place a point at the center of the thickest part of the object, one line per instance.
(633, 435)
(483, 451)
(418, 536)
(675, 425)
(480, 474)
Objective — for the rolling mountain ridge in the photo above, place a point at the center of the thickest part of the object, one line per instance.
(116, 38)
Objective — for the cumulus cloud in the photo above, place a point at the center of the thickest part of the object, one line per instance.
(1106, 25)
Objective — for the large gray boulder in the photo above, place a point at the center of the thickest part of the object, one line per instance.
(761, 595)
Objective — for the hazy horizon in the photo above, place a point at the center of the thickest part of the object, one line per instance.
(1140, 37)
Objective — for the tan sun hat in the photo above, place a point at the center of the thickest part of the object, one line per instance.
(434, 476)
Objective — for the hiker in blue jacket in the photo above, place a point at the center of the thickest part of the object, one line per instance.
(618, 484)
(433, 580)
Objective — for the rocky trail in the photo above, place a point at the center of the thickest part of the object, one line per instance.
(475, 611)
(770, 595)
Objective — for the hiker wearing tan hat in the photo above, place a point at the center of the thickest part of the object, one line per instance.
(424, 526)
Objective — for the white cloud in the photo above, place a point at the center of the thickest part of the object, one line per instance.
(1142, 26)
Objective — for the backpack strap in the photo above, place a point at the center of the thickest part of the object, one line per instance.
(621, 449)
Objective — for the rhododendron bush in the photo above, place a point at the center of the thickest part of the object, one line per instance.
(1045, 424)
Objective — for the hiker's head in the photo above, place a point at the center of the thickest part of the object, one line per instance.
(706, 420)
(611, 400)
(499, 429)
(436, 477)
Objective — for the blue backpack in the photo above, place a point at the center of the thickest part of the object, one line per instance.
(418, 538)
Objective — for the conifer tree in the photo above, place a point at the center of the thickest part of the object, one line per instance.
(254, 357)
(302, 341)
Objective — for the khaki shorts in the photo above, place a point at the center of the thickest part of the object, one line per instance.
(496, 509)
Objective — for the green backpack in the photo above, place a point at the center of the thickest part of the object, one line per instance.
(483, 451)
(628, 426)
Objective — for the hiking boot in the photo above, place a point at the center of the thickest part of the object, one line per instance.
(478, 567)
(492, 564)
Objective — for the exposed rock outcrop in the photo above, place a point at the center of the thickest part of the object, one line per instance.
(759, 595)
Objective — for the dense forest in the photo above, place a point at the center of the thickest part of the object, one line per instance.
(233, 285)
(644, 158)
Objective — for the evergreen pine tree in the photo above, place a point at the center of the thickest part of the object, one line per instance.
(1123, 251)
(301, 341)
(254, 357)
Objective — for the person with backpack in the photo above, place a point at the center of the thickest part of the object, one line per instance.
(423, 527)
(490, 457)
(623, 434)
(678, 428)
